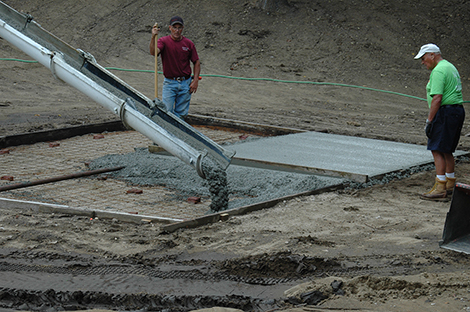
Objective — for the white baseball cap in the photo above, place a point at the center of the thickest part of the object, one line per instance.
(428, 48)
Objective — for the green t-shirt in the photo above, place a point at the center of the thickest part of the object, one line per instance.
(445, 80)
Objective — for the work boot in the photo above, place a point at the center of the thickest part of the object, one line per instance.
(450, 183)
(438, 191)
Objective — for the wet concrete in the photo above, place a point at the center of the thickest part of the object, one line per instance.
(217, 181)
(246, 186)
(167, 182)
(347, 158)
(359, 158)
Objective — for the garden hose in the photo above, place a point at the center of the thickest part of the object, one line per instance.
(256, 79)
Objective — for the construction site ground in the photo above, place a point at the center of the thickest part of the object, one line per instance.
(381, 242)
(46, 256)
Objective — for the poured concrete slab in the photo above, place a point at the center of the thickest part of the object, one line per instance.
(357, 159)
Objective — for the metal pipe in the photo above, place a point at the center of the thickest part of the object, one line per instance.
(59, 178)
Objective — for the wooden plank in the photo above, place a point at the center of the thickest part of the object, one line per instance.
(59, 134)
(239, 126)
(101, 214)
(222, 215)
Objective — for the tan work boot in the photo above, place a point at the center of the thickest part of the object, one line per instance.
(438, 191)
(450, 183)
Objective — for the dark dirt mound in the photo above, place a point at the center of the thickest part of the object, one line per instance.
(282, 265)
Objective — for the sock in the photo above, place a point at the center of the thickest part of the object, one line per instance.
(450, 175)
(441, 177)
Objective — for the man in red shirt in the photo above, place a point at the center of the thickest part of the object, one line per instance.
(177, 53)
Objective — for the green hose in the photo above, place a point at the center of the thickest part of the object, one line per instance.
(17, 60)
(315, 83)
(255, 79)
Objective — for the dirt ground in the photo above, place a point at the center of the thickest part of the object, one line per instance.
(342, 67)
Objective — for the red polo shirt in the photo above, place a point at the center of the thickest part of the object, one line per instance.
(176, 56)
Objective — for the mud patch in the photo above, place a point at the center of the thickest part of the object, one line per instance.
(281, 265)
(309, 240)
(82, 300)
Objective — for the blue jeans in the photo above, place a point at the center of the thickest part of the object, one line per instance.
(176, 96)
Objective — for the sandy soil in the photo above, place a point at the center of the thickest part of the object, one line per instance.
(384, 238)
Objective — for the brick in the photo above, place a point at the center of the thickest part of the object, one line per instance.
(194, 200)
(243, 137)
(134, 191)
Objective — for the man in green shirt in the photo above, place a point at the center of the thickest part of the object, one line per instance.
(445, 118)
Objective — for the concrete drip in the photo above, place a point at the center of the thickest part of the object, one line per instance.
(216, 179)
(237, 186)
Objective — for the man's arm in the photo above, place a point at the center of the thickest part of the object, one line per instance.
(155, 30)
(435, 105)
(195, 83)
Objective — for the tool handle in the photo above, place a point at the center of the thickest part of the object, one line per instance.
(156, 64)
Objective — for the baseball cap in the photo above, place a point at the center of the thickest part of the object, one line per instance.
(427, 48)
(176, 20)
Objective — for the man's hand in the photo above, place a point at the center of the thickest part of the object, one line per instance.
(193, 86)
(428, 128)
(153, 47)
(155, 30)
(195, 83)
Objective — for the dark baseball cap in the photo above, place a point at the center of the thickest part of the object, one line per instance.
(176, 20)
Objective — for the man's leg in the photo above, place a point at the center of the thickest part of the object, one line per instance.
(439, 162)
(450, 173)
(183, 98)
(169, 92)
(438, 191)
(450, 162)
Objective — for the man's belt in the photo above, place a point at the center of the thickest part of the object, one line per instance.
(180, 78)
(450, 105)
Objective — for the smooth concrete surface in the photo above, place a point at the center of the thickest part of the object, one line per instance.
(335, 154)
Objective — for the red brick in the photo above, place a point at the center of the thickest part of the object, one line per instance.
(194, 200)
(134, 191)
(243, 137)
